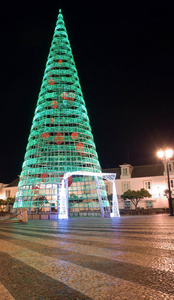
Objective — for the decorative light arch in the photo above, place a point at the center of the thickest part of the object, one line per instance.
(63, 207)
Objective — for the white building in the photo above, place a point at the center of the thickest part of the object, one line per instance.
(8, 190)
(151, 177)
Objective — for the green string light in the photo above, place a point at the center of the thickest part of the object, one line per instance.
(60, 139)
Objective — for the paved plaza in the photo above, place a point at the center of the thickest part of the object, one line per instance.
(131, 257)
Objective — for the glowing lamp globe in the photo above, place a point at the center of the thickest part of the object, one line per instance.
(160, 153)
(168, 153)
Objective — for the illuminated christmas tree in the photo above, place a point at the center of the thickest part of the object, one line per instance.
(60, 140)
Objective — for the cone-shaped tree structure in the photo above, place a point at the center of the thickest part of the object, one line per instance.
(60, 139)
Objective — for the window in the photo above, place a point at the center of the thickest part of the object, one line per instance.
(7, 194)
(127, 204)
(147, 185)
(125, 171)
(125, 186)
(149, 204)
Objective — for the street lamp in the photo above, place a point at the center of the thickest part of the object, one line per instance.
(165, 155)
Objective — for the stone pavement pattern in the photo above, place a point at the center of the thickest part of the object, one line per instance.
(121, 258)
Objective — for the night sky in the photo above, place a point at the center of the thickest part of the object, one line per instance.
(124, 54)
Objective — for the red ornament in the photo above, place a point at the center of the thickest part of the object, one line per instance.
(74, 135)
(45, 135)
(54, 104)
(36, 187)
(70, 180)
(60, 61)
(64, 95)
(44, 177)
(51, 81)
(52, 120)
(80, 148)
(58, 138)
(49, 74)
(71, 97)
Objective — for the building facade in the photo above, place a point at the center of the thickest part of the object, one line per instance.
(9, 190)
(151, 177)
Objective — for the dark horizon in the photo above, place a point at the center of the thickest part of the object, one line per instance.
(124, 58)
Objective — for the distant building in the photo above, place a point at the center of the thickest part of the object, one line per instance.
(9, 190)
(2, 191)
(151, 177)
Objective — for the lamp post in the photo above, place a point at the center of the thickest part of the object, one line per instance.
(165, 155)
